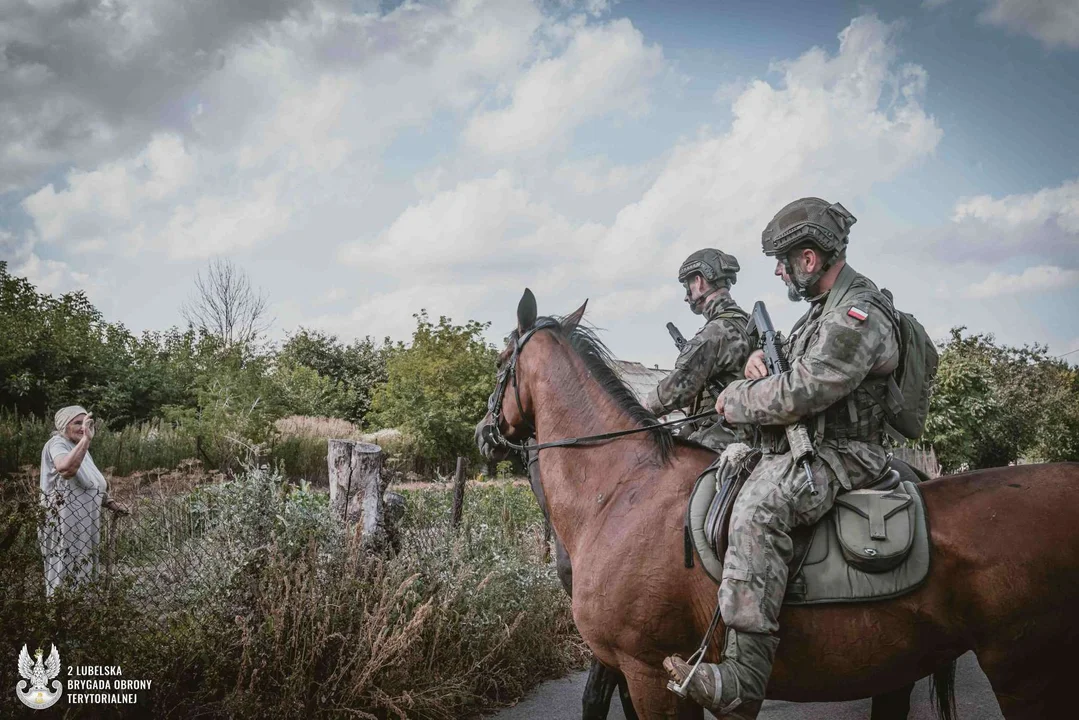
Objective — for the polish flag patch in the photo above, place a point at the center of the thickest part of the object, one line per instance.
(858, 313)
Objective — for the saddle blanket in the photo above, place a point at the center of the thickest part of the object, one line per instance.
(872, 545)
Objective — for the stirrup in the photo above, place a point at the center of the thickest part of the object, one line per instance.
(695, 660)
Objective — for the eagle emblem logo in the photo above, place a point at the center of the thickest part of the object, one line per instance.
(33, 689)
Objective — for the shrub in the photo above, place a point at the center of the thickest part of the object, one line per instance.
(436, 389)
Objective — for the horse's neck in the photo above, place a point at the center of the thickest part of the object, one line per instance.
(580, 482)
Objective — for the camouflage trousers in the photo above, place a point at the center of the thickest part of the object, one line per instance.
(775, 498)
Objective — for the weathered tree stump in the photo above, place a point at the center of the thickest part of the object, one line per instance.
(357, 487)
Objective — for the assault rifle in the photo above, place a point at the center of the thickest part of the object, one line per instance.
(680, 343)
(797, 435)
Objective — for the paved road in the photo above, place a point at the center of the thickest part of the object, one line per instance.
(561, 700)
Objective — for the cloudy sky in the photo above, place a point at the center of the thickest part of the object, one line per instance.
(362, 160)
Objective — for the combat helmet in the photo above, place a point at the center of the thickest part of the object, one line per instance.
(811, 220)
(711, 264)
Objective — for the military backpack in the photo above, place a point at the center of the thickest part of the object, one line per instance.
(910, 385)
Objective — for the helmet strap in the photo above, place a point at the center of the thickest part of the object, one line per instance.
(697, 306)
(805, 283)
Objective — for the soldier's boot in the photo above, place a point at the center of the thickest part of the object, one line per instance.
(735, 687)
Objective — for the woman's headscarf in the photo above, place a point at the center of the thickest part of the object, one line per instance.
(66, 415)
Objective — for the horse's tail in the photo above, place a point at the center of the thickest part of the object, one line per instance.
(943, 684)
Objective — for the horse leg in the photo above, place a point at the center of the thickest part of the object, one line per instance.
(598, 691)
(627, 702)
(1027, 688)
(651, 698)
(894, 705)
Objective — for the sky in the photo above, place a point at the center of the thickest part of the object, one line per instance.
(364, 160)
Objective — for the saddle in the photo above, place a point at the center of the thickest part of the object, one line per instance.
(872, 545)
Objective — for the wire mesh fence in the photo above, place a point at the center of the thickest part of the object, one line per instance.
(164, 552)
(188, 547)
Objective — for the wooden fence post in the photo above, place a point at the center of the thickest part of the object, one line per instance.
(458, 493)
(357, 487)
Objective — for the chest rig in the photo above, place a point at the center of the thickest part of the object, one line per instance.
(858, 416)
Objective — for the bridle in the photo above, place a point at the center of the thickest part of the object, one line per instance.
(492, 432)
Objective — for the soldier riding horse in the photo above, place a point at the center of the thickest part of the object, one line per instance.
(1004, 580)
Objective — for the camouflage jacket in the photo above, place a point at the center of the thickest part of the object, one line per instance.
(848, 341)
(717, 352)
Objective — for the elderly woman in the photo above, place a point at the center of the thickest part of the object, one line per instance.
(73, 491)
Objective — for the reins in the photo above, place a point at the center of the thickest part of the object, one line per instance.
(587, 440)
(494, 405)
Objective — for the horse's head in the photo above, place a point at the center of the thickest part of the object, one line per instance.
(509, 419)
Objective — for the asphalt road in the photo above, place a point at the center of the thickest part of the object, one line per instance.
(561, 700)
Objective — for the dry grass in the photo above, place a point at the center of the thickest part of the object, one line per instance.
(306, 426)
(400, 639)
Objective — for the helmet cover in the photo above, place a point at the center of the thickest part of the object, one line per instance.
(711, 264)
(812, 220)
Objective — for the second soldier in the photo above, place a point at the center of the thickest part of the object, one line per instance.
(716, 355)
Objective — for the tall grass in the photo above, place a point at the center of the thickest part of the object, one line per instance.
(137, 447)
(297, 447)
(289, 617)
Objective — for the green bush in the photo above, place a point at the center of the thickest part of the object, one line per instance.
(995, 404)
(436, 388)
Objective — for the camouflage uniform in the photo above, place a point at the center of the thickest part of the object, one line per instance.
(841, 352)
(834, 358)
(717, 353)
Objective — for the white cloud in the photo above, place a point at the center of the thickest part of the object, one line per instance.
(1040, 278)
(392, 140)
(288, 125)
(106, 198)
(52, 276)
(1059, 205)
(219, 225)
(1042, 224)
(484, 224)
(836, 126)
(597, 174)
(1053, 22)
(48, 275)
(605, 68)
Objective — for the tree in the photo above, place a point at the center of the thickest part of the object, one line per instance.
(437, 387)
(57, 351)
(356, 369)
(225, 305)
(994, 404)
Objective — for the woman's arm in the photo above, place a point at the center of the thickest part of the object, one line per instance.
(69, 463)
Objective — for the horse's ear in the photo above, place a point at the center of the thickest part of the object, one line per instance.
(574, 318)
(526, 312)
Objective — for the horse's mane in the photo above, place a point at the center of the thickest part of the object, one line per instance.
(600, 363)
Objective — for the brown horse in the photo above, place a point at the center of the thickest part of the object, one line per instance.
(603, 682)
(1004, 579)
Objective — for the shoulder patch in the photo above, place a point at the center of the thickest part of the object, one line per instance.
(857, 313)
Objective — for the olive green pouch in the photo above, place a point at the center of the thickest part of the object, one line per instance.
(875, 528)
